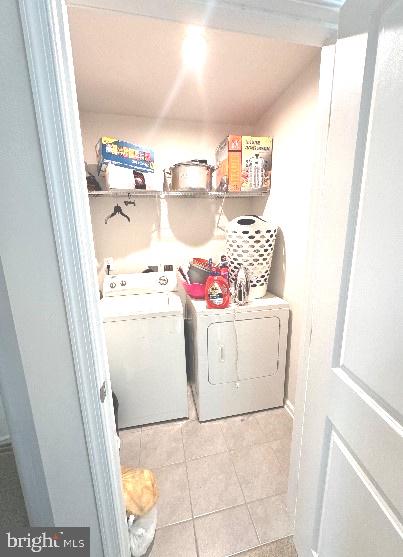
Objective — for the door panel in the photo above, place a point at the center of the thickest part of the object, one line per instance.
(372, 343)
(358, 413)
(351, 485)
(362, 525)
(243, 349)
(258, 347)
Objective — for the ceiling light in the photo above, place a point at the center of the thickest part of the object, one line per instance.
(194, 48)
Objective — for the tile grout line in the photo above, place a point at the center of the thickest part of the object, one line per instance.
(233, 506)
(278, 460)
(141, 443)
(220, 511)
(274, 441)
(260, 427)
(185, 462)
(240, 485)
(277, 494)
(239, 553)
(190, 497)
(174, 523)
(228, 450)
(219, 452)
(266, 442)
(183, 422)
(222, 452)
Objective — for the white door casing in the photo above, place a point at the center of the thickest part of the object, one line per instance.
(322, 133)
(310, 22)
(48, 50)
(350, 494)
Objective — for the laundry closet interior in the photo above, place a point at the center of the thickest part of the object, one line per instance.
(206, 394)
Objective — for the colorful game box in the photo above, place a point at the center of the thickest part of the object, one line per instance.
(122, 153)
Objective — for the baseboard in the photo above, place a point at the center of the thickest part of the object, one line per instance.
(289, 407)
(5, 445)
(5, 440)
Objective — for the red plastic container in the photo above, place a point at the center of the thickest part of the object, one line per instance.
(195, 290)
(217, 292)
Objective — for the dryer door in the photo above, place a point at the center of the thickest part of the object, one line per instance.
(243, 349)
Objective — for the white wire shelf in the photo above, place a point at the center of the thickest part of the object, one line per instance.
(190, 194)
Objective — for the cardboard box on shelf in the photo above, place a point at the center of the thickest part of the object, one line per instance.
(125, 154)
(244, 163)
(120, 178)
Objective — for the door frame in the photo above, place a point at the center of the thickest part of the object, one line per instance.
(358, 33)
(328, 55)
(49, 56)
(48, 49)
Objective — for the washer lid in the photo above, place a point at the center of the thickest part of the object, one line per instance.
(140, 306)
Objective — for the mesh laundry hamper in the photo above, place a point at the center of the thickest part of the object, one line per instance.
(250, 243)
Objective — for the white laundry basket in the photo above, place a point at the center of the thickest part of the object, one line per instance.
(250, 243)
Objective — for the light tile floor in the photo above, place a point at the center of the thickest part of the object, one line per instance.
(280, 548)
(12, 506)
(222, 483)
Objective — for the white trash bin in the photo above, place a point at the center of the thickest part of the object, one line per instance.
(140, 492)
(142, 532)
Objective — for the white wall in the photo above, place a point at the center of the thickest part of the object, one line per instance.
(171, 231)
(186, 227)
(292, 122)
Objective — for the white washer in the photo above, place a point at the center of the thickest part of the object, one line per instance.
(146, 352)
(236, 356)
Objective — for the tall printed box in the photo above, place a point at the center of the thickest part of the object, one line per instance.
(244, 163)
(122, 153)
(229, 164)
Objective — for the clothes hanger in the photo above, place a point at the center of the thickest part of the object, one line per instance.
(117, 210)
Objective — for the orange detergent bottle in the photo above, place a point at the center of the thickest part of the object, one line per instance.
(217, 292)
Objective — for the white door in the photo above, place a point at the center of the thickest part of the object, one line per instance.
(350, 494)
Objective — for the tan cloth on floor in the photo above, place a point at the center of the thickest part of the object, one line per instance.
(139, 489)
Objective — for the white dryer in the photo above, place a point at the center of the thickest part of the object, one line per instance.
(146, 350)
(236, 356)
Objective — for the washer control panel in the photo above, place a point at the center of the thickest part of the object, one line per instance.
(139, 283)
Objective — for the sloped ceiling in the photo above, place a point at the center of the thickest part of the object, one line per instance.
(127, 64)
